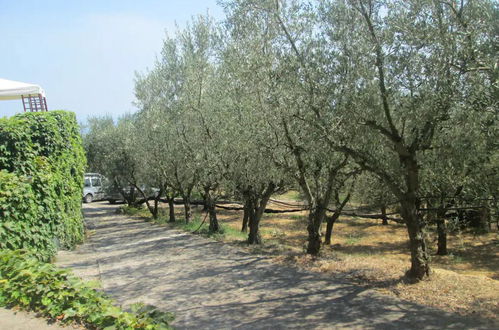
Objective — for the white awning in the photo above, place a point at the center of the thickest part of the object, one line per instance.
(13, 90)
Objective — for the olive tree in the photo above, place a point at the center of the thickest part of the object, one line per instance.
(249, 171)
(112, 149)
(416, 65)
(291, 87)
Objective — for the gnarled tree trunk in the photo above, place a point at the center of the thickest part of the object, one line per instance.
(171, 208)
(187, 208)
(315, 220)
(420, 258)
(254, 223)
(442, 236)
(246, 207)
(256, 209)
(332, 219)
(329, 227)
(210, 205)
(205, 198)
(384, 218)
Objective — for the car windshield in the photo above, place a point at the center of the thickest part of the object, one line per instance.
(96, 182)
(87, 182)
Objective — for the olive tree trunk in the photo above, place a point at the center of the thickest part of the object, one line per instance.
(171, 209)
(257, 205)
(187, 208)
(330, 221)
(442, 236)
(316, 217)
(254, 223)
(420, 259)
(384, 218)
(246, 207)
(329, 227)
(210, 205)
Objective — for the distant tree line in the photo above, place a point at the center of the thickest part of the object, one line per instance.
(394, 103)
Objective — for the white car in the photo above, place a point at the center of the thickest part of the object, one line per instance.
(93, 187)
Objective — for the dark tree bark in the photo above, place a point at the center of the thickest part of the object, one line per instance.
(156, 208)
(441, 222)
(329, 228)
(210, 205)
(407, 154)
(332, 219)
(130, 197)
(315, 219)
(205, 198)
(187, 208)
(442, 236)
(214, 226)
(254, 222)
(420, 258)
(484, 220)
(318, 209)
(157, 198)
(244, 228)
(257, 205)
(383, 215)
(171, 208)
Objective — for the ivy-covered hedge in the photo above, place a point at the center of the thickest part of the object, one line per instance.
(57, 294)
(42, 163)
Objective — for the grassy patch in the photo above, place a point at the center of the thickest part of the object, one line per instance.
(198, 225)
(292, 195)
(353, 238)
(130, 210)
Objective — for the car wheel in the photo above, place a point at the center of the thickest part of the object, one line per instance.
(112, 201)
(88, 198)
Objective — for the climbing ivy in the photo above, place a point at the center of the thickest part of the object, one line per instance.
(58, 294)
(42, 163)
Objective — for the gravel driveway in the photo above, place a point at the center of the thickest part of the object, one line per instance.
(209, 285)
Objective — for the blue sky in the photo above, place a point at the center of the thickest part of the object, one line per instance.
(84, 53)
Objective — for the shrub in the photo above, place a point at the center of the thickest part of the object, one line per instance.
(21, 225)
(29, 283)
(44, 151)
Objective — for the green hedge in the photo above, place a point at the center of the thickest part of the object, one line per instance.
(42, 163)
(41, 287)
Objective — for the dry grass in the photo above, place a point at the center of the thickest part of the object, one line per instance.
(364, 251)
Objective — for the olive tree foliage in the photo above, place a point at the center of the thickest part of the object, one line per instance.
(97, 141)
(205, 117)
(461, 174)
(418, 69)
(374, 195)
(291, 87)
(315, 93)
(177, 103)
(112, 151)
(249, 171)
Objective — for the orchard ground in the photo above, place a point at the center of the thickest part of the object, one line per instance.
(364, 251)
(216, 285)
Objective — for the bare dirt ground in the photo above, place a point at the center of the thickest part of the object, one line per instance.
(211, 285)
(367, 253)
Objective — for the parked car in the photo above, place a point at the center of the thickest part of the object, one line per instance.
(115, 193)
(93, 188)
(97, 187)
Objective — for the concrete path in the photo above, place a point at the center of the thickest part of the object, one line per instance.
(209, 285)
(21, 320)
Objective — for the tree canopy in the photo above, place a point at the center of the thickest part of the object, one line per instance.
(394, 99)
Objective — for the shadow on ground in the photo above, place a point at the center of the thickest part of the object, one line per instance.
(209, 285)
